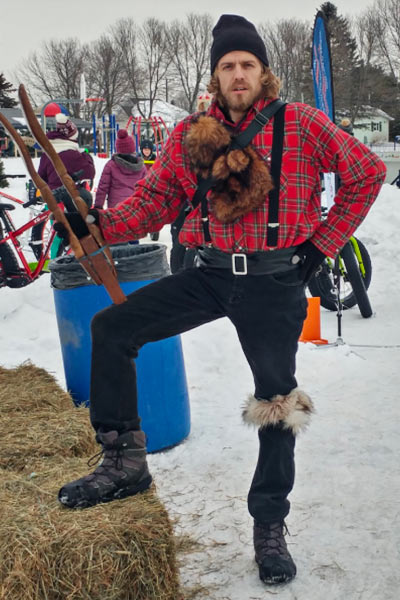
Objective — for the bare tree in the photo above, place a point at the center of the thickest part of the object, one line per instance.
(146, 59)
(106, 73)
(125, 35)
(154, 59)
(377, 35)
(189, 48)
(388, 33)
(287, 42)
(55, 71)
(366, 27)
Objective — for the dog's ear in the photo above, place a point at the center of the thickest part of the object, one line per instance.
(206, 137)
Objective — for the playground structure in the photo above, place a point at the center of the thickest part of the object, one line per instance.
(105, 130)
(153, 128)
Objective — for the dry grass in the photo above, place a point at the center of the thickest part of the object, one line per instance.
(118, 551)
(28, 440)
(124, 550)
(28, 388)
(39, 421)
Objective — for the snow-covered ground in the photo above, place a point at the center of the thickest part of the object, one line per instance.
(345, 518)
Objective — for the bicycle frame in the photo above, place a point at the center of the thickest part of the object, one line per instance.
(8, 197)
(357, 252)
(11, 234)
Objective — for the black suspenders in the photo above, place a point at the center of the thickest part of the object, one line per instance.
(277, 108)
(276, 163)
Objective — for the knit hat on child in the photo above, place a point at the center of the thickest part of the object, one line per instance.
(124, 143)
(65, 127)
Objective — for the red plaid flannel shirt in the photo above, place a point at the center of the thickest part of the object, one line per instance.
(312, 145)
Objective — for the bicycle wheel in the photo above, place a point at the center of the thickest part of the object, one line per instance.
(322, 285)
(356, 280)
(11, 275)
(8, 260)
(39, 238)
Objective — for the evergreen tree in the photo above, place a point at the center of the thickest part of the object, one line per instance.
(6, 88)
(3, 182)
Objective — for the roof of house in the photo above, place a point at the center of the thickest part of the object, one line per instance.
(366, 112)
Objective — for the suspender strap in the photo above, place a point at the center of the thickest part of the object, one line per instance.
(203, 185)
(261, 119)
(276, 163)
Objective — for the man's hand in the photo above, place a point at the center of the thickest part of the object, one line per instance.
(310, 258)
(77, 223)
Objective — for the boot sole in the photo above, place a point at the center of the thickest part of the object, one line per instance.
(275, 579)
(115, 495)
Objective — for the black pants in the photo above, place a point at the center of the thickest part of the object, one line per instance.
(268, 313)
(180, 256)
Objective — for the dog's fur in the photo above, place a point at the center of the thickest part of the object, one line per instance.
(242, 177)
(292, 411)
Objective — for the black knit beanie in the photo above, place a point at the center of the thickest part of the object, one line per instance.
(236, 33)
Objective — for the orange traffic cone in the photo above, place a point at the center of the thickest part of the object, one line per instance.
(312, 325)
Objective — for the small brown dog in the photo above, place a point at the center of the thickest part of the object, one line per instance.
(242, 178)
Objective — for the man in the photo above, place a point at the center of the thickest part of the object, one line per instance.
(258, 284)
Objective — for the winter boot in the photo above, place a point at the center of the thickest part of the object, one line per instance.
(122, 472)
(272, 556)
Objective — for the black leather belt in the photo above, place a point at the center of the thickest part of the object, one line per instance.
(256, 263)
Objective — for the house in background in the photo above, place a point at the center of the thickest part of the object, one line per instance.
(372, 127)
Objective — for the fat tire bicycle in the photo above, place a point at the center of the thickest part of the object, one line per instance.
(396, 180)
(16, 270)
(345, 280)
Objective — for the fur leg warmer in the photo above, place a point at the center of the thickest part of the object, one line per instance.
(293, 411)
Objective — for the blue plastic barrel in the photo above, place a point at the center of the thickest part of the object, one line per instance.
(163, 399)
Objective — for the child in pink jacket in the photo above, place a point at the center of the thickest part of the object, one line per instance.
(121, 173)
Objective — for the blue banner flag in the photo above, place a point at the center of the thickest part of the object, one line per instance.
(322, 67)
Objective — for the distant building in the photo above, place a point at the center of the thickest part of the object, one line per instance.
(372, 127)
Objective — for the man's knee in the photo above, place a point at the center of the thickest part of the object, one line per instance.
(106, 325)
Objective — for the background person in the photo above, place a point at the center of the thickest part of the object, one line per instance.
(65, 142)
(147, 150)
(346, 125)
(121, 173)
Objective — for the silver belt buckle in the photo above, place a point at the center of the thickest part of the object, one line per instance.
(239, 264)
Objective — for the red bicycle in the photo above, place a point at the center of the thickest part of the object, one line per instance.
(16, 267)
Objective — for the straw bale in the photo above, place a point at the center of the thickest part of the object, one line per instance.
(39, 421)
(28, 388)
(28, 439)
(118, 551)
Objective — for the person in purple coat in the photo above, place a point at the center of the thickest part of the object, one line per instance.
(65, 142)
(121, 172)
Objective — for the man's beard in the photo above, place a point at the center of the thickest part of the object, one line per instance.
(240, 105)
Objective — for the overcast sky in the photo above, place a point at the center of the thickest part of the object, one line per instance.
(25, 24)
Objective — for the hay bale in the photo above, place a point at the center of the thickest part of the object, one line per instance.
(28, 388)
(118, 551)
(38, 420)
(27, 440)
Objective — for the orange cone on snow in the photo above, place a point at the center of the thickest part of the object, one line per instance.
(312, 325)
